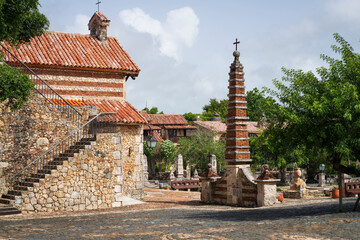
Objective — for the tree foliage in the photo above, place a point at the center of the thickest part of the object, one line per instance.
(15, 87)
(213, 107)
(167, 152)
(322, 111)
(196, 149)
(21, 20)
(153, 110)
(190, 117)
(259, 105)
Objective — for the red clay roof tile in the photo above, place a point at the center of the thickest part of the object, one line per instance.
(54, 49)
(165, 119)
(125, 112)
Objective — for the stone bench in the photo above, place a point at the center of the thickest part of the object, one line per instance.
(353, 187)
(185, 184)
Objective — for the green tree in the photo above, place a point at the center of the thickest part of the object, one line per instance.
(21, 20)
(324, 111)
(190, 117)
(258, 104)
(213, 107)
(196, 149)
(15, 87)
(167, 153)
(153, 110)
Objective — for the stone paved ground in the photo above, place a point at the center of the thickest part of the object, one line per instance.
(179, 215)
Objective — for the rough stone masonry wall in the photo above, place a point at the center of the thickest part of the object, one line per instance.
(76, 84)
(132, 154)
(27, 132)
(97, 177)
(91, 179)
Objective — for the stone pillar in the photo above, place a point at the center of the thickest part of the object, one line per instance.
(188, 171)
(207, 189)
(180, 167)
(266, 192)
(196, 175)
(145, 167)
(213, 162)
(172, 176)
(3, 189)
(321, 179)
(266, 188)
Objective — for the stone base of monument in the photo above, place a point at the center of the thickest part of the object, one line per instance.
(309, 192)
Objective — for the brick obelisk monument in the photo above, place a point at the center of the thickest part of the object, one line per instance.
(241, 188)
(237, 186)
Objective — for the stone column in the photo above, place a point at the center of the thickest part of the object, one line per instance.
(321, 179)
(188, 171)
(3, 189)
(145, 166)
(266, 192)
(180, 167)
(213, 162)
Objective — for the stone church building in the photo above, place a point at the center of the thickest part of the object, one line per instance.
(40, 168)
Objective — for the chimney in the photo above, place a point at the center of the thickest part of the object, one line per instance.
(98, 26)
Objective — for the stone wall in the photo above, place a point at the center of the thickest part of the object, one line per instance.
(76, 84)
(97, 177)
(28, 132)
(132, 151)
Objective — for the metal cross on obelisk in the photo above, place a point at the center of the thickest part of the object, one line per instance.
(236, 43)
(98, 3)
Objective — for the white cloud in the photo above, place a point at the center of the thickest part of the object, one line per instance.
(180, 29)
(80, 25)
(344, 10)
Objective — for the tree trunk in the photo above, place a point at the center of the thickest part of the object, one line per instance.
(283, 174)
(340, 182)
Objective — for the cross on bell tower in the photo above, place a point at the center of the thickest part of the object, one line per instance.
(236, 43)
(98, 3)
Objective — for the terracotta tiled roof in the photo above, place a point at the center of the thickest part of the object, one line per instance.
(125, 112)
(157, 136)
(220, 127)
(146, 127)
(76, 51)
(179, 127)
(253, 127)
(217, 126)
(165, 119)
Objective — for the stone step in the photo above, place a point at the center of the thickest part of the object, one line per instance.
(37, 175)
(33, 179)
(20, 188)
(14, 192)
(8, 196)
(5, 201)
(44, 171)
(50, 166)
(9, 211)
(23, 184)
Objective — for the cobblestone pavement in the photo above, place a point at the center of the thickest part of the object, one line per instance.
(179, 215)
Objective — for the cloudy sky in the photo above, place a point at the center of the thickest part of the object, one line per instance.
(184, 47)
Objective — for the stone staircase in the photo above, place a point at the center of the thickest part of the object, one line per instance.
(22, 185)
